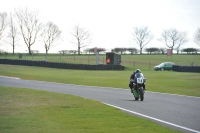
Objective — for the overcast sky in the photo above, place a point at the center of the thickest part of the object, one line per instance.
(111, 22)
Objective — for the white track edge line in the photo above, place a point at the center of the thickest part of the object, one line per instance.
(175, 125)
(9, 77)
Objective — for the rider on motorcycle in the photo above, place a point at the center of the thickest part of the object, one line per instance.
(132, 77)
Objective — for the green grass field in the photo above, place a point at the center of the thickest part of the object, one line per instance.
(33, 111)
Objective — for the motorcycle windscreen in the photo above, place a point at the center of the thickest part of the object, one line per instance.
(138, 75)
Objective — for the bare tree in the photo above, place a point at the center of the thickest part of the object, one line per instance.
(173, 39)
(3, 24)
(182, 39)
(164, 37)
(29, 25)
(197, 36)
(81, 37)
(142, 37)
(50, 34)
(12, 33)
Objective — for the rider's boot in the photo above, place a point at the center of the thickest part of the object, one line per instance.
(131, 90)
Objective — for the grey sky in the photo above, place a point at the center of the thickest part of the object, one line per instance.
(111, 22)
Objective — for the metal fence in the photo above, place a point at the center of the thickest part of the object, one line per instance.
(61, 65)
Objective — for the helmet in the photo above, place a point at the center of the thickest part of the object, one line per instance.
(137, 71)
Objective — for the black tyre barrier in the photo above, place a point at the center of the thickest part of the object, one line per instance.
(61, 65)
(179, 68)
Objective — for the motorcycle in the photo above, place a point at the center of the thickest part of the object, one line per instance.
(139, 85)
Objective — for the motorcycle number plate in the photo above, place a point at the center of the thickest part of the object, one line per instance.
(140, 80)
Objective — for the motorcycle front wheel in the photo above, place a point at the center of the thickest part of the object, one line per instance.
(141, 94)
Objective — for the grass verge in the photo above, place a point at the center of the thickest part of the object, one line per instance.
(27, 110)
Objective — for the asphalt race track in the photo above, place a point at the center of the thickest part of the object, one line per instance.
(178, 112)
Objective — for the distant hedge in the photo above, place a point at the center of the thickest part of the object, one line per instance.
(179, 68)
(61, 65)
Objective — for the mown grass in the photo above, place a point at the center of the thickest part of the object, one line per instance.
(157, 81)
(34, 111)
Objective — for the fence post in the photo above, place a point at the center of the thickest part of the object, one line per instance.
(149, 65)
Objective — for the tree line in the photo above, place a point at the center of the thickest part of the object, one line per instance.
(151, 50)
(27, 24)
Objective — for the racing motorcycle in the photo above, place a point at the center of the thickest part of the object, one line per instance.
(139, 85)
